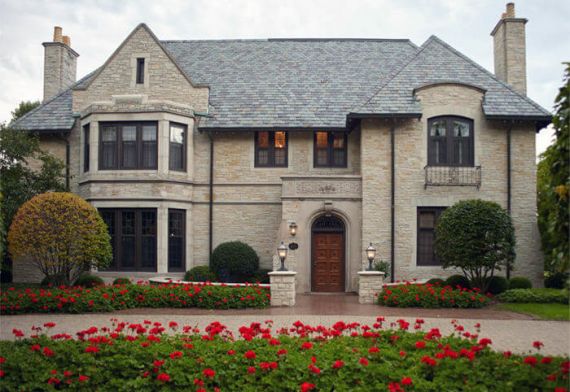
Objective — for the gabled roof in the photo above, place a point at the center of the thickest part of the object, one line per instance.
(312, 83)
(437, 62)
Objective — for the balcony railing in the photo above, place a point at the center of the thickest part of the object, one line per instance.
(453, 176)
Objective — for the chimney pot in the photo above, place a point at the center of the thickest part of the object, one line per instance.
(67, 40)
(510, 10)
(503, 15)
(57, 31)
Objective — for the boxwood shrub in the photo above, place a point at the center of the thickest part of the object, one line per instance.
(535, 295)
(458, 280)
(344, 357)
(436, 281)
(519, 282)
(200, 273)
(497, 285)
(234, 261)
(88, 280)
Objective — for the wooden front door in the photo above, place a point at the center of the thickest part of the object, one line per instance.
(327, 273)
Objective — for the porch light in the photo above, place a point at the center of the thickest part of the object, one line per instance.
(282, 253)
(370, 253)
(293, 229)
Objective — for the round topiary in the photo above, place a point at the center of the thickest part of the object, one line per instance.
(87, 280)
(121, 281)
(61, 234)
(201, 273)
(436, 282)
(260, 276)
(519, 282)
(234, 260)
(497, 285)
(477, 237)
(458, 280)
(556, 280)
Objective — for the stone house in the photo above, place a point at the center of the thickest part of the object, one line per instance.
(183, 145)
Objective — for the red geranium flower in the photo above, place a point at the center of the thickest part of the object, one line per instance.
(83, 378)
(537, 344)
(251, 370)
(337, 364)
(208, 373)
(231, 352)
(250, 354)
(47, 352)
(307, 346)
(163, 377)
(363, 361)
(530, 361)
(176, 354)
(420, 344)
(49, 325)
(307, 386)
(92, 349)
(406, 381)
(373, 350)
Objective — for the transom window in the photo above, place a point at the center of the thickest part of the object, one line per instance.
(427, 221)
(128, 146)
(177, 152)
(133, 238)
(330, 149)
(450, 141)
(271, 149)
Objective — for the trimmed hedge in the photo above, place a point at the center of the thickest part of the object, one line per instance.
(109, 298)
(535, 295)
(458, 280)
(200, 273)
(344, 357)
(234, 261)
(429, 296)
(497, 285)
(519, 282)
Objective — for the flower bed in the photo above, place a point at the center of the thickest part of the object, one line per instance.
(109, 298)
(431, 296)
(343, 357)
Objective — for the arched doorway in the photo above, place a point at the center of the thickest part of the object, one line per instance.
(328, 254)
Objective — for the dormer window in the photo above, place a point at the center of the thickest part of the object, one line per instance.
(450, 141)
(140, 70)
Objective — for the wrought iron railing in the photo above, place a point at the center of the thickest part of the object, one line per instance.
(453, 176)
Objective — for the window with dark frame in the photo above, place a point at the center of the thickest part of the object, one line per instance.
(427, 221)
(128, 146)
(177, 149)
(86, 148)
(140, 70)
(271, 149)
(330, 149)
(176, 240)
(450, 141)
(133, 238)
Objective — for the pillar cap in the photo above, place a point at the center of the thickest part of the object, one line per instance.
(282, 273)
(371, 273)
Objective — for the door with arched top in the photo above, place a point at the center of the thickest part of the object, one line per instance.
(327, 255)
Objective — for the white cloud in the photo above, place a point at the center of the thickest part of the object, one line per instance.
(97, 27)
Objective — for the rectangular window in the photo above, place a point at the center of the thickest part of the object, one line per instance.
(177, 151)
(427, 221)
(133, 238)
(128, 146)
(176, 240)
(140, 70)
(86, 148)
(330, 149)
(271, 149)
(450, 142)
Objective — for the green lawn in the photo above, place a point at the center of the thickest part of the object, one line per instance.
(544, 311)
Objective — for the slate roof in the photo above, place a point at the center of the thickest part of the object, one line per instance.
(437, 62)
(302, 83)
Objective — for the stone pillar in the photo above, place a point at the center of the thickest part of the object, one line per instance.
(369, 286)
(282, 288)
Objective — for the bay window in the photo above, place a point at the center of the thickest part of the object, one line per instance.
(128, 146)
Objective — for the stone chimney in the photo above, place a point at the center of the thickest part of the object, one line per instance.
(60, 64)
(509, 46)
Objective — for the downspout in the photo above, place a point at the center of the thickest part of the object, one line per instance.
(392, 201)
(211, 200)
(509, 182)
(67, 163)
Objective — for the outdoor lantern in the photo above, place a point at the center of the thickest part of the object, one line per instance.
(293, 229)
(370, 253)
(282, 253)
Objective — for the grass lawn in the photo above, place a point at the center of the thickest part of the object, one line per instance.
(544, 311)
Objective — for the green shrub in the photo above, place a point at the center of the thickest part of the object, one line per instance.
(87, 280)
(557, 280)
(260, 276)
(122, 281)
(108, 298)
(234, 261)
(458, 280)
(436, 281)
(427, 296)
(497, 285)
(534, 295)
(519, 282)
(200, 273)
(477, 237)
(382, 266)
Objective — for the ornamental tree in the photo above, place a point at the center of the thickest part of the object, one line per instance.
(477, 237)
(61, 234)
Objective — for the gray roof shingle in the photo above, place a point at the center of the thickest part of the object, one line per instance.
(299, 83)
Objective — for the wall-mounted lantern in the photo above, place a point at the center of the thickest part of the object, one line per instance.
(370, 253)
(293, 229)
(282, 253)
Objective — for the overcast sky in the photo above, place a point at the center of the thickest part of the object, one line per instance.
(97, 27)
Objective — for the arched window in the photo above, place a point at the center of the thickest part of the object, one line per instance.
(450, 141)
